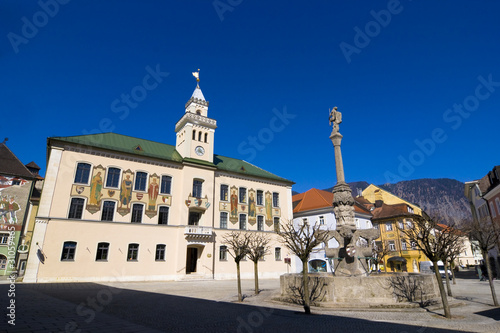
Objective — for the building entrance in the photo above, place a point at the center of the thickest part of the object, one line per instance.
(191, 260)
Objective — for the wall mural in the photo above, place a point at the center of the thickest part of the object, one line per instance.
(94, 202)
(126, 193)
(251, 207)
(8, 209)
(269, 208)
(234, 205)
(153, 190)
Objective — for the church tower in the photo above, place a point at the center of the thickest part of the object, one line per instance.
(195, 131)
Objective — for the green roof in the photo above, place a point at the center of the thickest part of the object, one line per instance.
(147, 148)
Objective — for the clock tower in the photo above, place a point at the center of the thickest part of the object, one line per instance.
(195, 131)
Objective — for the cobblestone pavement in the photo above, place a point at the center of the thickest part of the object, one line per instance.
(210, 306)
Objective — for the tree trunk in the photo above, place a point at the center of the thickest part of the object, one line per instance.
(490, 278)
(305, 285)
(453, 276)
(240, 296)
(444, 299)
(447, 278)
(256, 276)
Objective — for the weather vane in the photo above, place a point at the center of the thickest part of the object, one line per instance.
(197, 75)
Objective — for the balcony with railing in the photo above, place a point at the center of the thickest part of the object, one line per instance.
(198, 232)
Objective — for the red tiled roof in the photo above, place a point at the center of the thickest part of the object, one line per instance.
(387, 211)
(317, 199)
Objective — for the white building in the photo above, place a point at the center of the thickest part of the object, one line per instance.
(116, 207)
(316, 207)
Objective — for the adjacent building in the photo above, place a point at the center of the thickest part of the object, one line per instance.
(116, 207)
(484, 198)
(392, 214)
(16, 186)
(315, 207)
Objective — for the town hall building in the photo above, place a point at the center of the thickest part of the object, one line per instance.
(115, 207)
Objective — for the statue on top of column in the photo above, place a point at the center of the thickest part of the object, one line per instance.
(335, 119)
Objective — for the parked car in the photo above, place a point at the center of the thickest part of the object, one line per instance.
(441, 270)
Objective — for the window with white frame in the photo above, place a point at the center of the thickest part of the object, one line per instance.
(223, 253)
(223, 220)
(133, 252)
(137, 213)
(243, 195)
(276, 199)
(3, 262)
(388, 226)
(391, 245)
(141, 180)
(197, 188)
(163, 215)
(76, 208)
(260, 197)
(82, 174)
(108, 210)
(113, 177)
(401, 225)
(166, 184)
(160, 252)
(321, 220)
(276, 224)
(68, 251)
(224, 190)
(243, 222)
(260, 223)
(413, 245)
(102, 252)
(403, 245)
(277, 253)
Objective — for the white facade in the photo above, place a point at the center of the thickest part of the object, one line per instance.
(327, 221)
(115, 207)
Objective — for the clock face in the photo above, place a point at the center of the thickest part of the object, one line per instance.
(199, 150)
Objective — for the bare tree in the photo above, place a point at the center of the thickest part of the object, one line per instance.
(486, 236)
(238, 247)
(379, 252)
(433, 243)
(451, 252)
(301, 239)
(258, 248)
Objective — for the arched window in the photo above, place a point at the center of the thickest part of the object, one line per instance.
(199, 136)
(206, 137)
(194, 134)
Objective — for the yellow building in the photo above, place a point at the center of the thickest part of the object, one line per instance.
(391, 214)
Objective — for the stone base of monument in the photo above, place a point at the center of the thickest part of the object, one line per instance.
(373, 291)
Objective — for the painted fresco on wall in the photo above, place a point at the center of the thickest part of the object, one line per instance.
(269, 207)
(153, 190)
(234, 205)
(94, 202)
(251, 207)
(125, 193)
(6, 182)
(8, 209)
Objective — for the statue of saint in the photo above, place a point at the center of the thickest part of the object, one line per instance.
(335, 119)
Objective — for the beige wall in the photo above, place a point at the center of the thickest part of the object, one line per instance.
(55, 228)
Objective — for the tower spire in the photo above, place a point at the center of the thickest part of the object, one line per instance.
(197, 76)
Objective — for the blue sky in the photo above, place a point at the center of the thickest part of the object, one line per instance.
(418, 82)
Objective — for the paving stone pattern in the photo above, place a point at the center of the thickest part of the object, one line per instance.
(210, 306)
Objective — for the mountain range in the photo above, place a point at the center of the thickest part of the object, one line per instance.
(443, 198)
